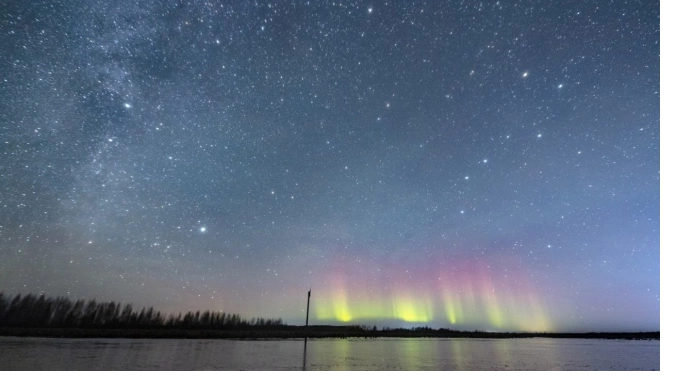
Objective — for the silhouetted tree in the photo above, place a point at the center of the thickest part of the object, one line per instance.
(90, 313)
(126, 315)
(188, 319)
(63, 307)
(4, 304)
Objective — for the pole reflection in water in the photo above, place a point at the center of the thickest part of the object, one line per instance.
(304, 357)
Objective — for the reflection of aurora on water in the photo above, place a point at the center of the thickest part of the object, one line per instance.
(467, 297)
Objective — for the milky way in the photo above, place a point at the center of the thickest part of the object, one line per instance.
(473, 165)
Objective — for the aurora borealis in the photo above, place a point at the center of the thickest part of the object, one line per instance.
(472, 165)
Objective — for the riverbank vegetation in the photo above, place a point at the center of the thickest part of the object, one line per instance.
(39, 311)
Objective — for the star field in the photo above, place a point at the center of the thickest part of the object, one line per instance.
(474, 165)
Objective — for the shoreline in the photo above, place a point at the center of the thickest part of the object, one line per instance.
(296, 332)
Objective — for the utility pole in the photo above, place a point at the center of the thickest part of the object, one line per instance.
(309, 295)
(304, 354)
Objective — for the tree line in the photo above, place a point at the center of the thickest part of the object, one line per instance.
(39, 311)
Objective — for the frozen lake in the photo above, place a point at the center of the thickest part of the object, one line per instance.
(328, 354)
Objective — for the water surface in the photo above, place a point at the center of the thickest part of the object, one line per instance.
(328, 354)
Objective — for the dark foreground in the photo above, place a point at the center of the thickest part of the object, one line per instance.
(317, 331)
(31, 353)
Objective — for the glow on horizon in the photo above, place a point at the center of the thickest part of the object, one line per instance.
(506, 313)
(411, 309)
(470, 298)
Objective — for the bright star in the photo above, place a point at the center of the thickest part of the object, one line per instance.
(202, 229)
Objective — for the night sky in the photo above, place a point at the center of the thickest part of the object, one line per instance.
(472, 165)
